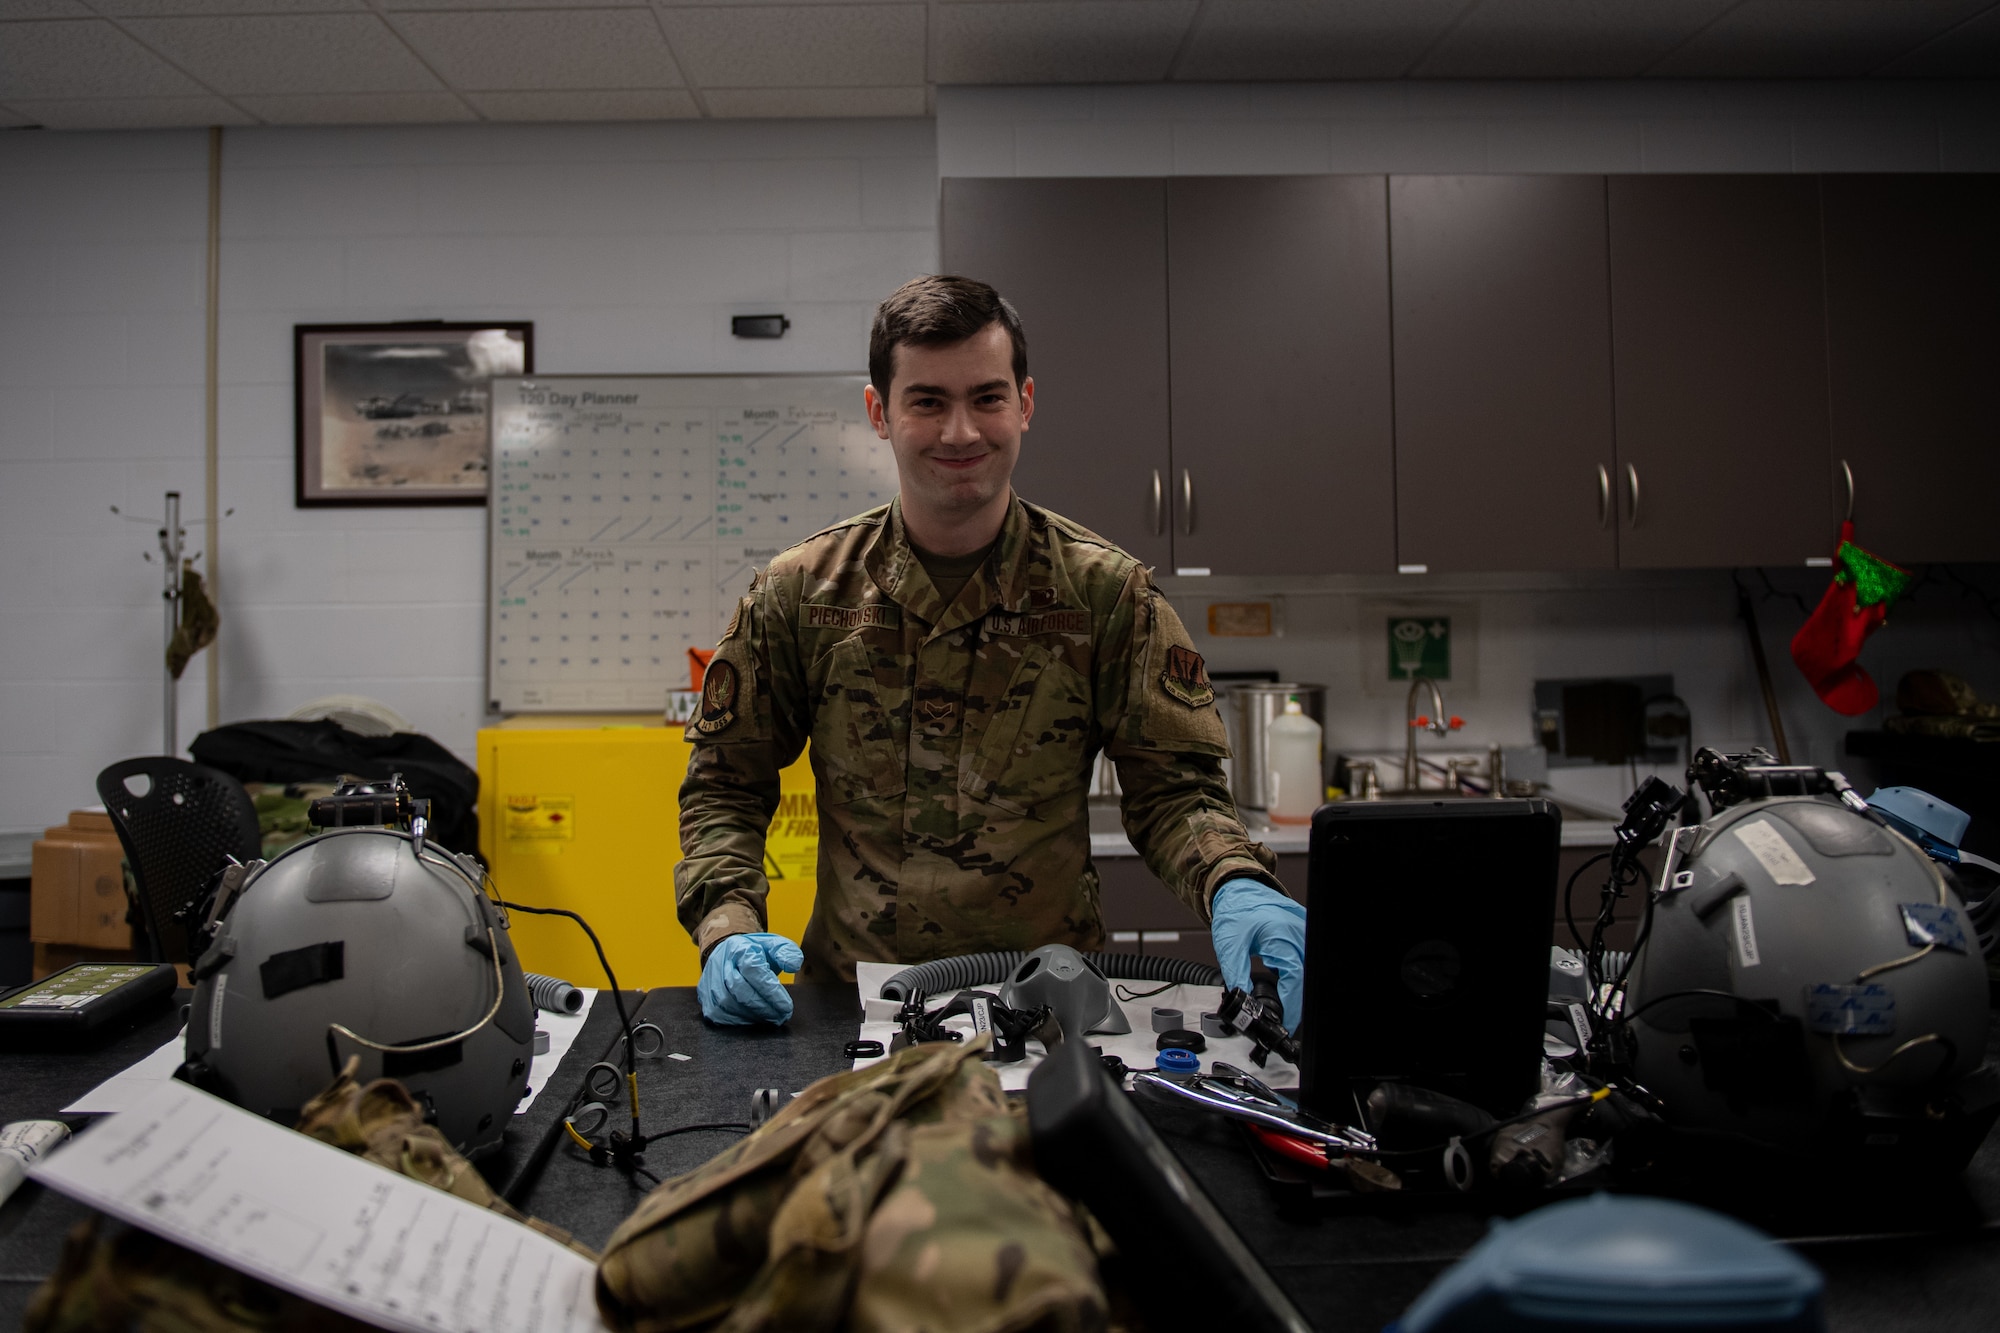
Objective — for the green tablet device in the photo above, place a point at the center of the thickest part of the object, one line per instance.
(81, 1001)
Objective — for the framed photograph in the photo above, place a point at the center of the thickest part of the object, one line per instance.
(395, 414)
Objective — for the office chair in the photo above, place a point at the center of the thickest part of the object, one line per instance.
(176, 835)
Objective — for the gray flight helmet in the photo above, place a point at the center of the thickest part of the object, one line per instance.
(1860, 993)
(359, 929)
(1063, 979)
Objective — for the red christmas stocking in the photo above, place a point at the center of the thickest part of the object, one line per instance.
(1856, 603)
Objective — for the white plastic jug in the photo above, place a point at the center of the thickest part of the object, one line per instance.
(1295, 775)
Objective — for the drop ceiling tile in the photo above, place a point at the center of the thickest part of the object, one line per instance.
(279, 55)
(1313, 39)
(543, 50)
(1813, 38)
(628, 104)
(175, 8)
(44, 9)
(1574, 39)
(813, 103)
(129, 113)
(1104, 41)
(357, 108)
(775, 46)
(1969, 51)
(67, 58)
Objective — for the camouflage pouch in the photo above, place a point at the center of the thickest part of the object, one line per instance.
(132, 1281)
(792, 1228)
(969, 1237)
(383, 1123)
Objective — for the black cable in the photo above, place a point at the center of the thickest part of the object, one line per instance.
(617, 997)
(1967, 588)
(736, 1125)
(1710, 991)
(1496, 1126)
(1125, 993)
(1569, 914)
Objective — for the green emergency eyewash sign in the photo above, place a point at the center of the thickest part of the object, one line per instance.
(1419, 646)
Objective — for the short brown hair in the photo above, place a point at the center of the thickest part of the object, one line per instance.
(933, 311)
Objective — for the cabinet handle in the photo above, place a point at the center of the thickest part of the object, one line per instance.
(1159, 505)
(1848, 473)
(1187, 503)
(1632, 485)
(1603, 496)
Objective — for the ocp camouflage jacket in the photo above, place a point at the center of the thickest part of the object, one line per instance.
(952, 746)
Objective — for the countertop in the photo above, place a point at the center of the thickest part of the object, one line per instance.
(1108, 839)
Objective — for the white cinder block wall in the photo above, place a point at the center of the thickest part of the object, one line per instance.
(629, 246)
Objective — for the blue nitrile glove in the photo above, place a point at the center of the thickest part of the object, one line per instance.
(739, 983)
(1249, 917)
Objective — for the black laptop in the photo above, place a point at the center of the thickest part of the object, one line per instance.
(1427, 949)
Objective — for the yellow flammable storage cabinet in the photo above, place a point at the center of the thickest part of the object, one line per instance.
(586, 817)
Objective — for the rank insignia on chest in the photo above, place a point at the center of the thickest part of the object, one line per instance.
(718, 698)
(1186, 678)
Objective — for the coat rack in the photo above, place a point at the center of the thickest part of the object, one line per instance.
(172, 534)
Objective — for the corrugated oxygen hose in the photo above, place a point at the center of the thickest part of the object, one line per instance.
(985, 969)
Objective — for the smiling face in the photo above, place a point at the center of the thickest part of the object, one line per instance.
(954, 417)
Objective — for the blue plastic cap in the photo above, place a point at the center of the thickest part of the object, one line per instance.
(1923, 812)
(1177, 1063)
(1633, 1264)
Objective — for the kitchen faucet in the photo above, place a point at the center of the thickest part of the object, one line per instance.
(1434, 722)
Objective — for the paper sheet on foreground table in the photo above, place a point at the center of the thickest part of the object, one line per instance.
(124, 1089)
(317, 1222)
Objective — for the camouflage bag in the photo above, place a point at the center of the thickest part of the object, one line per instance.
(897, 1197)
(133, 1280)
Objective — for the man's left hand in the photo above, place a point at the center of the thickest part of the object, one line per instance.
(1250, 917)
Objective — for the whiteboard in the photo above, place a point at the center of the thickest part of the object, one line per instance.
(628, 513)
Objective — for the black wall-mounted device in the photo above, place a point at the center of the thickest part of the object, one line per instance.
(759, 326)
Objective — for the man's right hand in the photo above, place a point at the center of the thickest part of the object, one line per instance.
(739, 983)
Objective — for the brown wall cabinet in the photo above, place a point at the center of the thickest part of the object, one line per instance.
(1211, 361)
(1085, 263)
(1719, 356)
(1278, 335)
(1640, 372)
(1913, 345)
(1504, 447)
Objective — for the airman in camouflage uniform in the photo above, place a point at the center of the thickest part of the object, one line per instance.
(956, 660)
(952, 745)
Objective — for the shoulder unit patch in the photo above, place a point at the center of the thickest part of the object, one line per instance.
(718, 698)
(1186, 678)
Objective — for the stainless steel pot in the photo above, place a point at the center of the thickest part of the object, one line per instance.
(1248, 709)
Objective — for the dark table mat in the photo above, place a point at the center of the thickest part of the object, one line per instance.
(714, 1084)
(1925, 1260)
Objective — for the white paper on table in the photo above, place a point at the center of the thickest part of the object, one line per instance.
(126, 1088)
(320, 1223)
(123, 1090)
(1135, 1048)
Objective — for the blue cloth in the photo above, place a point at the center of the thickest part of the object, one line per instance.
(1249, 917)
(739, 983)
